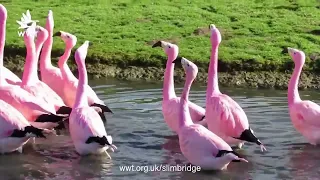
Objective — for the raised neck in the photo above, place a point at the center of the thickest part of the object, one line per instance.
(2, 44)
(168, 82)
(29, 73)
(212, 85)
(184, 115)
(45, 57)
(81, 100)
(293, 93)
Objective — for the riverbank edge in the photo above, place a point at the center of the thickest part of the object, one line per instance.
(232, 74)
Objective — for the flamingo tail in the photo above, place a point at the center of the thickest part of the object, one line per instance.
(28, 129)
(104, 108)
(100, 140)
(64, 110)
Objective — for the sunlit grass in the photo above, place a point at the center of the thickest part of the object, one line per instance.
(122, 31)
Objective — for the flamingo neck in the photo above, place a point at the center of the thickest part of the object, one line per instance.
(293, 93)
(81, 100)
(62, 63)
(212, 85)
(63, 59)
(30, 66)
(2, 44)
(168, 82)
(45, 58)
(184, 118)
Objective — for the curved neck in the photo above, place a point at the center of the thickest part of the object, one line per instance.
(185, 118)
(293, 93)
(30, 66)
(63, 59)
(168, 82)
(81, 98)
(62, 63)
(212, 85)
(45, 58)
(2, 43)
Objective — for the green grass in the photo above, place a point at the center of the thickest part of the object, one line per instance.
(254, 32)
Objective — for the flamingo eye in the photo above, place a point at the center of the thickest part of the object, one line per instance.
(294, 53)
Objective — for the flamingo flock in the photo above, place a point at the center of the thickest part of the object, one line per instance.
(30, 107)
(33, 108)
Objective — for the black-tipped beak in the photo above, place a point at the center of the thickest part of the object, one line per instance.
(157, 44)
(57, 34)
(177, 60)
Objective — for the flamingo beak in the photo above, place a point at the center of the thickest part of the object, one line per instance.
(157, 44)
(57, 34)
(177, 60)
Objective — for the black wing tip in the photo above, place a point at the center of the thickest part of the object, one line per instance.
(28, 129)
(104, 108)
(64, 110)
(100, 140)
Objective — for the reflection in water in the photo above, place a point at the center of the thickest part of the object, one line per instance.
(143, 139)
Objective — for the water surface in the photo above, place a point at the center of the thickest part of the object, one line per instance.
(142, 137)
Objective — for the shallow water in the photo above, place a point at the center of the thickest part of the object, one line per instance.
(143, 138)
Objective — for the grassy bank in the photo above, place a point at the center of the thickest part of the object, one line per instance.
(255, 33)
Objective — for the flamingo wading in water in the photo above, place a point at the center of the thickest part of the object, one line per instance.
(224, 116)
(30, 80)
(86, 127)
(305, 115)
(70, 82)
(30, 107)
(170, 102)
(199, 145)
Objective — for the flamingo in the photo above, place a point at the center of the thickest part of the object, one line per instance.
(20, 99)
(224, 116)
(15, 130)
(70, 82)
(9, 76)
(304, 115)
(49, 74)
(86, 126)
(170, 103)
(30, 80)
(199, 145)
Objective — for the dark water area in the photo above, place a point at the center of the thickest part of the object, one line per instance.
(143, 139)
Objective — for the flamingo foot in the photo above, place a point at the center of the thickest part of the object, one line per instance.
(262, 148)
(108, 155)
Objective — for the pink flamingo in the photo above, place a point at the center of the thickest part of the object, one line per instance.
(30, 80)
(224, 116)
(49, 74)
(304, 114)
(199, 145)
(86, 127)
(70, 82)
(28, 105)
(170, 103)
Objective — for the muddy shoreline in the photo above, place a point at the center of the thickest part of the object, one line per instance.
(259, 79)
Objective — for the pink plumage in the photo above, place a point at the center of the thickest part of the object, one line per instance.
(304, 115)
(224, 116)
(86, 127)
(199, 145)
(170, 102)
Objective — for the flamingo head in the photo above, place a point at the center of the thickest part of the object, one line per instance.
(215, 35)
(297, 56)
(3, 12)
(81, 52)
(69, 39)
(50, 22)
(189, 67)
(42, 34)
(170, 49)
